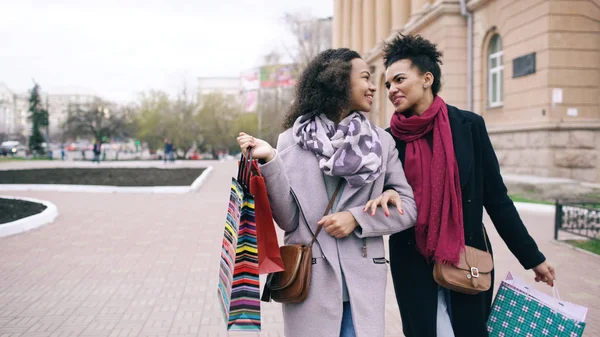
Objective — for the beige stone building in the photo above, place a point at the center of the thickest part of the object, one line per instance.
(531, 68)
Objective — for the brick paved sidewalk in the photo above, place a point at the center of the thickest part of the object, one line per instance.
(146, 265)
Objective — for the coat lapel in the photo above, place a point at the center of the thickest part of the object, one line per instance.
(306, 180)
(463, 144)
(308, 185)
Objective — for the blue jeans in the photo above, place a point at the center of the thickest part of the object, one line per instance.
(347, 324)
(444, 314)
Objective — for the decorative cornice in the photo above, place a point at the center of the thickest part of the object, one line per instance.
(416, 22)
(429, 14)
(474, 5)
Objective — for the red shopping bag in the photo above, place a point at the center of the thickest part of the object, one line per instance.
(269, 258)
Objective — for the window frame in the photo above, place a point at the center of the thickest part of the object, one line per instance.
(498, 70)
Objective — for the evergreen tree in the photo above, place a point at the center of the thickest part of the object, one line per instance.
(39, 119)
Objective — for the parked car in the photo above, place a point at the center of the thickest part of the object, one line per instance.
(10, 148)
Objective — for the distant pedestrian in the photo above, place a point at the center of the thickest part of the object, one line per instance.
(168, 151)
(97, 151)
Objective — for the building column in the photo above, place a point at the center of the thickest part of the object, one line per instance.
(347, 24)
(400, 13)
(383, 12)
(338, 21)
(368, 12)
(357, 27)
(416, 6)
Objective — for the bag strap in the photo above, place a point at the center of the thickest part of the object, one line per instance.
(485, 239)
(266, 295)
(333, 197)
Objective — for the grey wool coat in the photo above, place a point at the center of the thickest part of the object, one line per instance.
(298, 198)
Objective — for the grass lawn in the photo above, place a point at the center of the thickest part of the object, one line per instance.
(518, 198)
(9, 159)
(589, 245)
(11, 209)
(103, 176)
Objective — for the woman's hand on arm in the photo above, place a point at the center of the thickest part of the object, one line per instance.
(388, 197)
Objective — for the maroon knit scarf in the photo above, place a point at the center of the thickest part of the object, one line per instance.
(432, 171)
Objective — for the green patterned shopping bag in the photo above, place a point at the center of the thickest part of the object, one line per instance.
(520, 310)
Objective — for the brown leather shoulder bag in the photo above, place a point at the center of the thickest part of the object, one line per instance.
(292, 284)
(472, 275)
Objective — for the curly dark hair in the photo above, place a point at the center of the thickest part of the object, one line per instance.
(421, 52)
(323, 87)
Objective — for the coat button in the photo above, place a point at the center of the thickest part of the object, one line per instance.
(469, 200)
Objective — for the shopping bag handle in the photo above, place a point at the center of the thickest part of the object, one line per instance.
(555, 296)
(248, 167)
(245, 169)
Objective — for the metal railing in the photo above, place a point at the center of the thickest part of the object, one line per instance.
(580, 218)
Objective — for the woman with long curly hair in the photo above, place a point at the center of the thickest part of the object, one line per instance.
(328, 143)
(451, 165)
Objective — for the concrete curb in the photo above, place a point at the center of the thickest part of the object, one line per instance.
(31, 222)
(200, 180)
(111, 189)
(568, 245)
(539, 208)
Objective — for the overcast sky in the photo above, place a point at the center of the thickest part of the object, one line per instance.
(117, 48)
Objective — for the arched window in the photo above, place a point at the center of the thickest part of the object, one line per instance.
(495, 72)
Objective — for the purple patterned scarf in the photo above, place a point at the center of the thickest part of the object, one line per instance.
(350, 149)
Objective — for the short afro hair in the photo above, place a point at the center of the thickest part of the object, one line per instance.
(421, 52)
(323, 86)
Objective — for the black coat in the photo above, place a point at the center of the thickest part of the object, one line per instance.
(482, 186)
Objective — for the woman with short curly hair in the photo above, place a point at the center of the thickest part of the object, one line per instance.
(329, 144)
(451, 165)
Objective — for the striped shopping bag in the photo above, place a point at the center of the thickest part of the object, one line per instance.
(238, 290)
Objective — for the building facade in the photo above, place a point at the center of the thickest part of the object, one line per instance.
(230, 87)
(22, 114)
(531, 68)
(58, 110)
(14, 111)
(8, 119)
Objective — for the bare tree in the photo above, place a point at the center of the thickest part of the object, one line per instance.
(100, 119)
(217, 121)
(184, 130)
(311, 36)
(159, 117)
